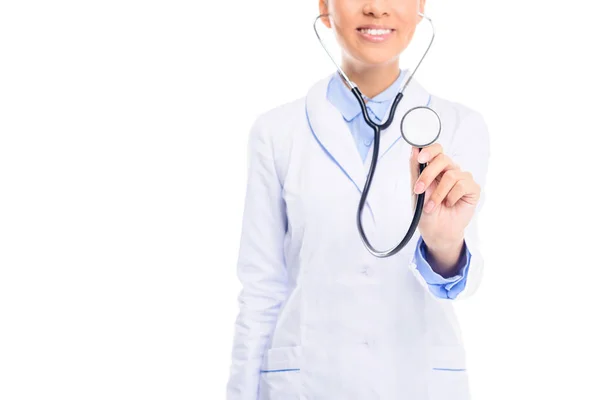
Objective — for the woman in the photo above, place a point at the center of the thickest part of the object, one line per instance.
(320, 317)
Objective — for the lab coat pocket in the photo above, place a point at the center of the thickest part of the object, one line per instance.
(280, 374)
(448, 374)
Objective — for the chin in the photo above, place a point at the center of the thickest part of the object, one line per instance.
(377, 58)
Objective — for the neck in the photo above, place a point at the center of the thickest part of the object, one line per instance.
(372, 80)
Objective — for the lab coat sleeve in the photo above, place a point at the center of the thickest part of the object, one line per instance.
(444, 288)
(260, 267)
(470, 149)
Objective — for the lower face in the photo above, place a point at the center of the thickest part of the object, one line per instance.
(375, 46)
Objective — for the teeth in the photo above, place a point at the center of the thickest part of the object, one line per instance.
(376, 32)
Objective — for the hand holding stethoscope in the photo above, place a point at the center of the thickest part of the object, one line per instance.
(450, 196)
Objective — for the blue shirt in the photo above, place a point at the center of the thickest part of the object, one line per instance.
(342, 98)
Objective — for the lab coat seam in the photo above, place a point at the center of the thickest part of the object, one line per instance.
(450, 369)
(265, 371)
(269, 138)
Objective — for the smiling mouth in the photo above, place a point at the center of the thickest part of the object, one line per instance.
(375, 35)
(375, 32)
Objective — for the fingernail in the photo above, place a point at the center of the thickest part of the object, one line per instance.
(423, 157)
(429, 206)
(419, 187)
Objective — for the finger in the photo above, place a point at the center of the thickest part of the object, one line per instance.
(414, 167)
(459, 190)
(430, 152)
(466, 189)
(439, 164)
(448, 181)
(414, 164)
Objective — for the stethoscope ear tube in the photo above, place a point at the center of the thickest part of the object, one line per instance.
(356, 91)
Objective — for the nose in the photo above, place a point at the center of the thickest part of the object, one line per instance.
(376, 8)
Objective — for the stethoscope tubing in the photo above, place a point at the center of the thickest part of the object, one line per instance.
(363, 198)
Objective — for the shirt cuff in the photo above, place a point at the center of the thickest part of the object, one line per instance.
(445, 288)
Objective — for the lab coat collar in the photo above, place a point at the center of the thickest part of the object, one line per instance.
(332, 132)
(345, 102)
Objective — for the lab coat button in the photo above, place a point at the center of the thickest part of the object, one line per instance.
(367, 142)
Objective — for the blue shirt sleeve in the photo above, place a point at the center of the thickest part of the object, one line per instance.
(445, 288)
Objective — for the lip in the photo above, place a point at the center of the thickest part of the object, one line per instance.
(375, 38)
(371, 26)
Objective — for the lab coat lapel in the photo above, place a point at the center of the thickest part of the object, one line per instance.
(330, 129)
(414, 95)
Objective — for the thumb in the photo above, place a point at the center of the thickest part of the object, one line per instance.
(414, 172)
(414, 168)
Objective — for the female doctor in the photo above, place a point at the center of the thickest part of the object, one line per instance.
(320, 317)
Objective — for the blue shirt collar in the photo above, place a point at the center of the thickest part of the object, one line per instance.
(343, 99)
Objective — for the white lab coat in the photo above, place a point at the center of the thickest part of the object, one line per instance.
(320, 317)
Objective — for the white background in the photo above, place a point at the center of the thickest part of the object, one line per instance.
(123, 128)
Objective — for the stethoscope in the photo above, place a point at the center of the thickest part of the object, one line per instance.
(420, 127)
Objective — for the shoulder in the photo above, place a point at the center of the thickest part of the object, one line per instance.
(273, 133)
(463, 127)
(455, 115)
(281, 116)
(274, 128)
(280, 122)
(275, 124)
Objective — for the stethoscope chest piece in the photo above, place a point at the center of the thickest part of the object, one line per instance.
(420, 126)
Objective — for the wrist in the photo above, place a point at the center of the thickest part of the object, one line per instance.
(444, 245)
(444, 256)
